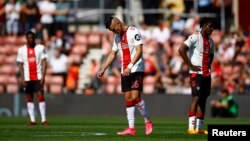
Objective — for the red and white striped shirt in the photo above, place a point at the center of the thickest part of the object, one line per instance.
(126, 45)
(200, 50)
(32, 61)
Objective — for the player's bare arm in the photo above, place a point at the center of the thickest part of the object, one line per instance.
(134, 60)
(109, 60)
(22, 73)
(44, 65)
(183, 52)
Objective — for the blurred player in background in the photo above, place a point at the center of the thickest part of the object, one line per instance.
(32, 67)
(225, 107)
(201, 53)
(129, 43)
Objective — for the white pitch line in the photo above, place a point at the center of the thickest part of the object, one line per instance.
(60, 133)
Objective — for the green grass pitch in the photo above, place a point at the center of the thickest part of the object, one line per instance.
(101, 128)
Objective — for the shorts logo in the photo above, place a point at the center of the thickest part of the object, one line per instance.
(193, 84)
(135, 84)
(137, 37)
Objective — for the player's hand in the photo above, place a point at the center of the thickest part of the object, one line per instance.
(127, 72)
(195, 68)
(42, 81)
(100, 73)
(23, 82)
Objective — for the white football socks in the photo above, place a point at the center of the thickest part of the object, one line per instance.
(131, 116)
(42, 108)
(31, 111)
(143, 110)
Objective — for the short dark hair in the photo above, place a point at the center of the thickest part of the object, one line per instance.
(30, 33)
(206, 20)
(108, 22)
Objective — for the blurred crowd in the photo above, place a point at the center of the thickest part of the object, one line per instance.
(165, 71)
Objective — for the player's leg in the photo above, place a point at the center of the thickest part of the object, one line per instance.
(201, 107)
(130, 107)
(200, 113)
(30, 103)
(194, 80)
(42, 103)
(141, 105)
(137, 87)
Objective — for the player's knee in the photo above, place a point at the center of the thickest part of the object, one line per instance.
(195, 99)
(40, 98)
(137, 100)
(129, 103)
(29, 99)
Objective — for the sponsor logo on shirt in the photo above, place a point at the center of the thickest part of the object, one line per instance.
(137, 37)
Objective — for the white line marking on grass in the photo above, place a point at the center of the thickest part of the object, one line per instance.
(63, 133)
(92, 134)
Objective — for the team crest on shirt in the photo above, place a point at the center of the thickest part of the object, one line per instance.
(31, 52)
(137, 37)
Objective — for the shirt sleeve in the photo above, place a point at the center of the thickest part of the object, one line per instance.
(192, 39)
(44, 52)
(115, 43)
(137, 38)
(19, 57)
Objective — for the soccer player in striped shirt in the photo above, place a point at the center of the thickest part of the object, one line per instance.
(32, 66)
(201, 53)
(129, 43)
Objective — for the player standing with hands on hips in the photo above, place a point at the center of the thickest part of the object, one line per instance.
(201, 53)
(128, 42)
(32, 67)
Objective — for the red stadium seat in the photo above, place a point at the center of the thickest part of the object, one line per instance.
(148, 88)
(7, 69)
(56, 89)
(11, 40)
(149, 80)
(80, 38)
(94, 39)
(111, 85)
(1, 89)
(3, 79)
(12, 89)
(10, 59)
(54, 84)
(12, 80)
(2, 58)
(74, 58)
(148, 85)
(14, 49)
(2, 41)
(110, 88)
(119, 89)
(5, 50)
(55, 80)
(79, 49)
(21, 40)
